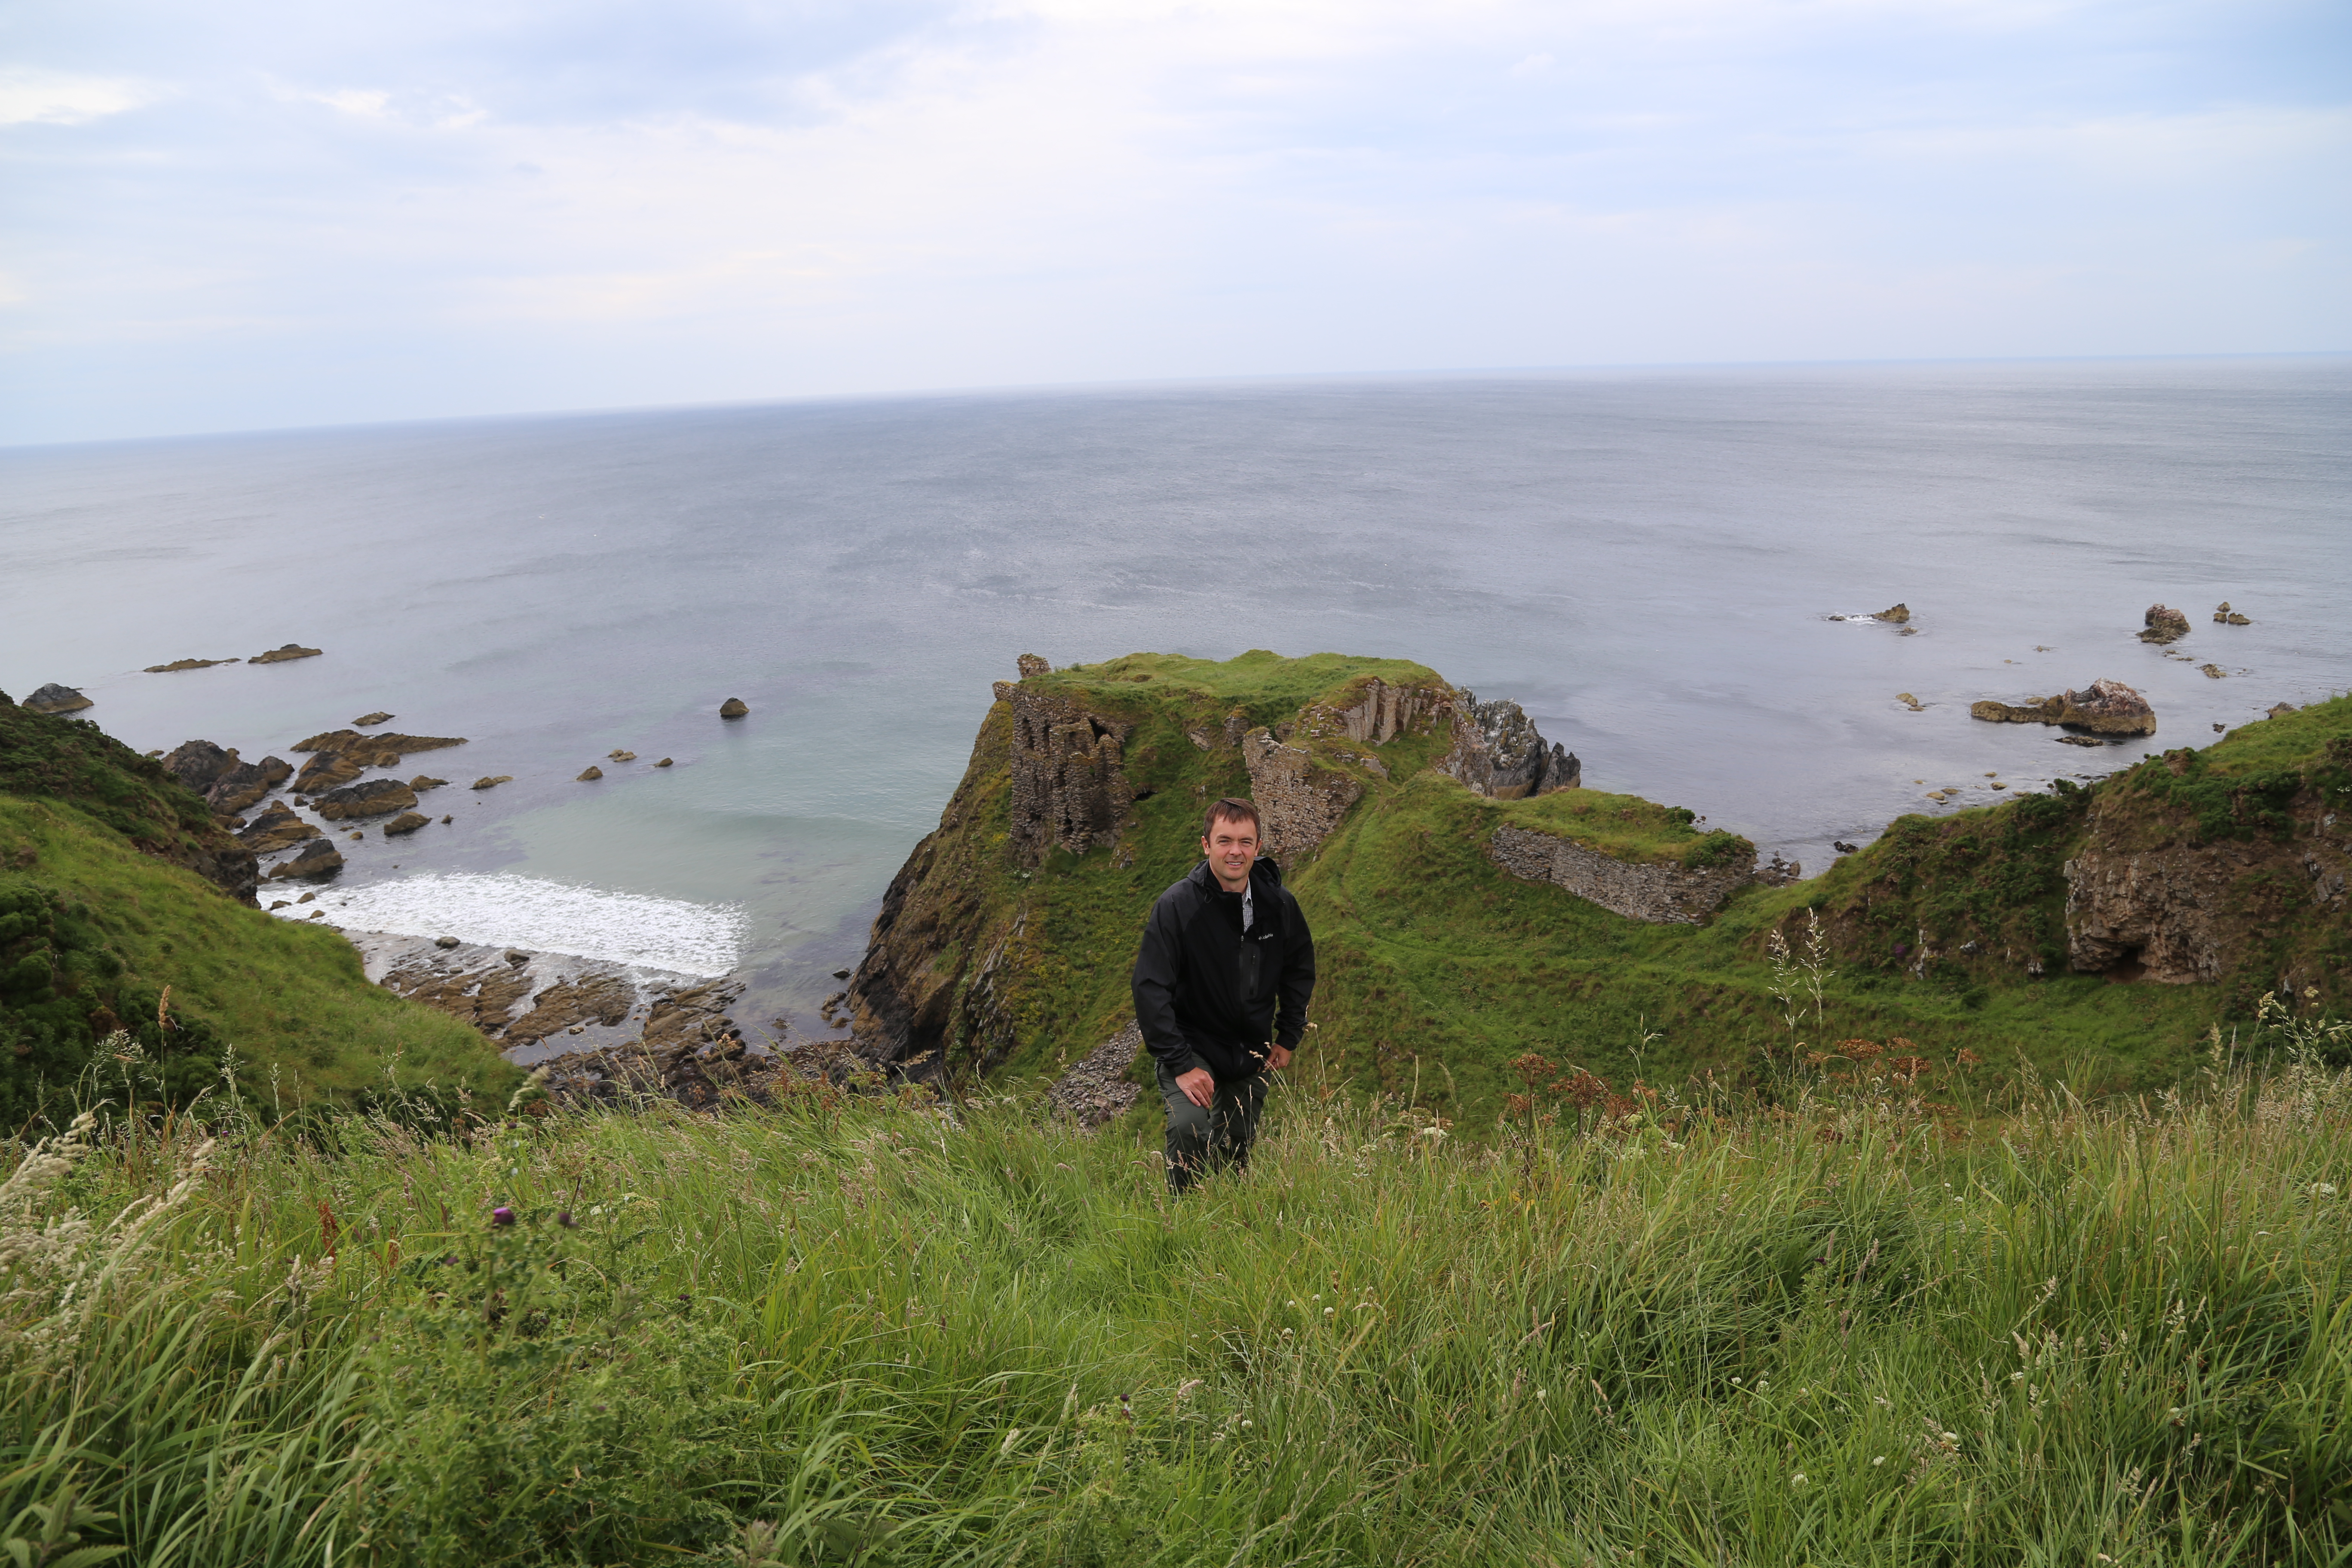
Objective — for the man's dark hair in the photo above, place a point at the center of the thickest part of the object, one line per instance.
(1231, 809)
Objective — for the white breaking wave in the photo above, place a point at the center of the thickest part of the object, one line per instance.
(508, 910)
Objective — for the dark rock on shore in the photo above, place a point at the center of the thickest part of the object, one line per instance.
(240, 786)
(406, 822)
(2164, 625)
(198, 765)
(56, 698)
(1894, 614)
(186, 664)
(420, 784)
(589, 775)
(493, 780)
(284, 652)
(326, 771)
(276, 828)
(318, 859)
(377, 797)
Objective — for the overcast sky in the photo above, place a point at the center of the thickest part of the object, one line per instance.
(251, 214)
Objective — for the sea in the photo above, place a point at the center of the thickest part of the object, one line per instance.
(1671, 570)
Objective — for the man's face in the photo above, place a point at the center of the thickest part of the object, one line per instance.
(1231, 845)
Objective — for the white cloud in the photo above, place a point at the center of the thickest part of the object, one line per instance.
(59, 98)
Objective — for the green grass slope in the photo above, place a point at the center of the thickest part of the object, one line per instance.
(1439, 969)
(846, 1333)
(96, 922)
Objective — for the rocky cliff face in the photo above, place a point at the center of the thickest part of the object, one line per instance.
(1497, 752)
(2225, 866)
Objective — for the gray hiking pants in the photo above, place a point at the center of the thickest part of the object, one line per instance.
(1203, 1142)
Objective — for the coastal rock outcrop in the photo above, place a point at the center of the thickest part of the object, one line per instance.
(2164, 625)
(733, 708)
(1656, 893)
(198, 765)
(326, 771)
(276, 828)
(242, 784)
(1498, 752)
(376, 797)
(407, 822)
(493, 780)
(389, 745)
(1894, 614)
(178, 664)
(376, 718)
(2226, 617)
(56, 698)
(318, 858)
(589, 774)
(283, 652)
(2101, 708)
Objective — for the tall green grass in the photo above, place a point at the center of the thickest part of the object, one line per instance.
(1863, 1318)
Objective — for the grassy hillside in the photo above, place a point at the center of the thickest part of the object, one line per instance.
(1834, 1330)
(100, 915)
(1438, 968)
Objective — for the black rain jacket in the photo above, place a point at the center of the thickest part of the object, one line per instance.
(1206, 995)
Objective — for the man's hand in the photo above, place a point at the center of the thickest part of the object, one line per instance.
(1198, 1087)
(1278, 1057)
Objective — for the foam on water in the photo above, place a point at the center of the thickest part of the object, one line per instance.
(505, 909)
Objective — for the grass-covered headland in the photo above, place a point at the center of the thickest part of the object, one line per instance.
(1831, 1322)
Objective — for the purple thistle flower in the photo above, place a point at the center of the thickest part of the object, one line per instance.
(1900, 949)
(502, 1216)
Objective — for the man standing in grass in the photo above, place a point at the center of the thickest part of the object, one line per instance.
(1221, 991)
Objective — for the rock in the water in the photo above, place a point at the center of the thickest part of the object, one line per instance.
(276, 828)
(618, 755)
(665, 762)
(246, 783)
(56, 698)
(2214, 671)
(2080, 741)
(198, 765)
(447, 820)
(1845, 848)
(281, 654)
(493, 780)
(1498, 752)
(733, 708)
(326, 771)
(588, 773)
(1910, 701)
(2104, 707)
(393, 745)
(1030, 663)
(317, 858)
(2108, 708)
(377, 718)
(1894, 614)
(406, 822)
(377, 797)
(2164, 624)
(2225, 616)
(420, 784)
(186, 664)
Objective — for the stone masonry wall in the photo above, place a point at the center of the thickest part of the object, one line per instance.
(1069, 781)
(1662, 895)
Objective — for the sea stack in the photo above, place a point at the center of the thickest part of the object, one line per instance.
(56, 698)
(733, 708)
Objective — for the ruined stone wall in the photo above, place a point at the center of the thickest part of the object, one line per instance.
(1069, 780)
(1298, 802)
(1662, 895)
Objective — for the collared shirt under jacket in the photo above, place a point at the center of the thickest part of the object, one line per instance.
(1209, 994)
